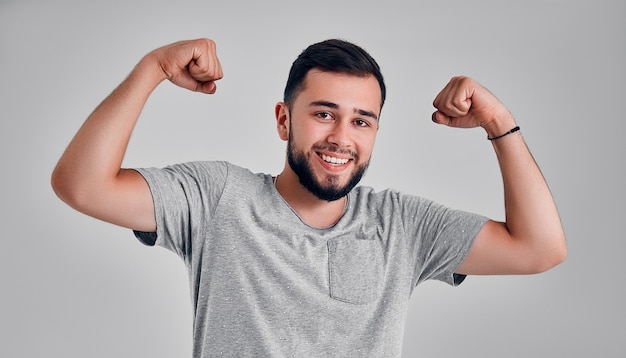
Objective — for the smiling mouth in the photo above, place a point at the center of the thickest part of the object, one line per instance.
(334, 160)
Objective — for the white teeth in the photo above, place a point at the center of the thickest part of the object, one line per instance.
(334, 160)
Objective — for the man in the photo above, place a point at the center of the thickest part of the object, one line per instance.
(305, 263)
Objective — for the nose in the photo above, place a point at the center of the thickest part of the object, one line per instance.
(340, 135)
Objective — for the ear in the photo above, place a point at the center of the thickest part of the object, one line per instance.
(282, 120)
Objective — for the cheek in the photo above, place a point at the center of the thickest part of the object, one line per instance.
(306, 135)
(367, 146)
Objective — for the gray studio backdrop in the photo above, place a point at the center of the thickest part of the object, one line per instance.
(76, 287)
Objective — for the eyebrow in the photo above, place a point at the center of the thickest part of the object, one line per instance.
(332, 105)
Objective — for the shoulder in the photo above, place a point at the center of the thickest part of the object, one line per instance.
(368, 196)
(195, 168)
(207, 168)
(391, 205)
(245, 177)
(201, 175)
(235, 181)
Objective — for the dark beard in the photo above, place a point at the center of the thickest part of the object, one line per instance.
(331, 192)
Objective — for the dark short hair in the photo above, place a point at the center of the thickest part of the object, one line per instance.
(331, 56)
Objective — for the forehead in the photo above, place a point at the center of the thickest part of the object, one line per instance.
(341, 88)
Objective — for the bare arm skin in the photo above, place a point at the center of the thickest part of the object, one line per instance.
(89, 176)
(532, 239)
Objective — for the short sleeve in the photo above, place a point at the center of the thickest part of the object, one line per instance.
(440, 238)
(185, 197)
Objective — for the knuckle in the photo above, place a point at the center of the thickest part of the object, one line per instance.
(208, 43)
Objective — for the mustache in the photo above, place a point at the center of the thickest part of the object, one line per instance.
(334, 149)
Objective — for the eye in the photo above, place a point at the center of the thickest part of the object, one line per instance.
(361, 123)
(324, 115)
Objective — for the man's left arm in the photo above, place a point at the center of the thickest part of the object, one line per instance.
(532, 239)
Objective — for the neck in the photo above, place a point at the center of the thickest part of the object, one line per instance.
(312, 210)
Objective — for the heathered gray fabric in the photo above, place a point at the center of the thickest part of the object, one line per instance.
(265, 284)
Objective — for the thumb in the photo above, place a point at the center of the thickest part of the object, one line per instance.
(440, 118)
(208, 87)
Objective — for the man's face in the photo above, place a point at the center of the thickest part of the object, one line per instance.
(332, 127)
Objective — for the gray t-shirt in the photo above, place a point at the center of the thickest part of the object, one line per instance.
(265, 284)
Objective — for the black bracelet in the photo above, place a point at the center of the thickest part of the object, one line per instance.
(505, 134)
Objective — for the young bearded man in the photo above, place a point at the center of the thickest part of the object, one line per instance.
(305, 263)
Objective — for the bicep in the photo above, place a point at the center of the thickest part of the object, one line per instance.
(125, 201)
(495, 252)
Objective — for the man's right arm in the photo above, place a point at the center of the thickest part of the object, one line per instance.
(88, 176)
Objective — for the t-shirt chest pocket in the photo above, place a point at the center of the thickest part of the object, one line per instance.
(355, 270)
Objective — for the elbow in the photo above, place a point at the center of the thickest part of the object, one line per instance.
(550, 262)
(562, 252)
(59, 184)
(551, 257)
(65, 188)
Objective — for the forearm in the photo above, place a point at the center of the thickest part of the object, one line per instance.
(95, 154)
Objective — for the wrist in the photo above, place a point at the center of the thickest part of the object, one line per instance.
(149, 71)
(498, 127)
